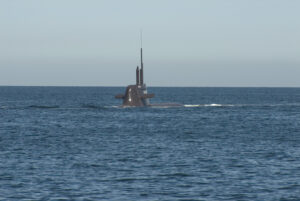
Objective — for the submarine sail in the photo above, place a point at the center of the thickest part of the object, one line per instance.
(136, 95)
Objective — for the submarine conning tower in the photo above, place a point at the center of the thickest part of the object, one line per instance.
(136, 95)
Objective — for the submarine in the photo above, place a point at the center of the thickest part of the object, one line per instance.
(136, 95)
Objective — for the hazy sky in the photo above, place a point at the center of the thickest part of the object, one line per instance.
(186, 43)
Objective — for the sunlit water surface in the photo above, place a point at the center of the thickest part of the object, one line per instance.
(64, 143)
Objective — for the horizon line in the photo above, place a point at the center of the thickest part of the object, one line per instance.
(155, 86)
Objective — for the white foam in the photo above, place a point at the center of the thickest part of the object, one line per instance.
(208, 105)
(113, 106)
(213, 105)
(191, 105)
(162, 106)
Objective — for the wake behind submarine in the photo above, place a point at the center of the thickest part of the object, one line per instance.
(137, 95)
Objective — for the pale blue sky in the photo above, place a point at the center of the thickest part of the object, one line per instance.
(186, 43)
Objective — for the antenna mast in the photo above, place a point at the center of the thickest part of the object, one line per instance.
(142, 65)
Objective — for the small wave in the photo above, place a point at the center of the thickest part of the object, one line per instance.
(44, 106)
(208, 105)
(176, 174)
(115, 106)
(132, 179)
(214, 105)
(163, 106)
(191, 105)
(91, 106)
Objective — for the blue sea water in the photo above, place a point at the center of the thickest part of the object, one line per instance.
(74, 143)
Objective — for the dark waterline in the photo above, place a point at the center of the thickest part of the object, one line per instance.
(75, 143)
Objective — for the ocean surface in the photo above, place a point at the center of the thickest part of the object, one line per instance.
(75, 143)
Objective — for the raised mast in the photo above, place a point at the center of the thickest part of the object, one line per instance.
(142, 69)
(142, 64)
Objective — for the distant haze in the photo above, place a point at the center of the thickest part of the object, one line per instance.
(186, 43)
